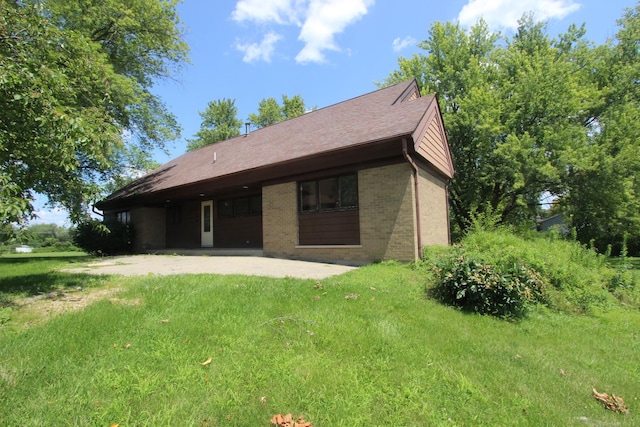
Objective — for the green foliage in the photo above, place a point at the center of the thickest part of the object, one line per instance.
(562, 275)
(219, 123)
(108, 238)
(530, 115)
(473, 285)
(75, 80)
(270, 112)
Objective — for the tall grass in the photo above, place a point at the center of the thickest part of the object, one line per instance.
(573, 279)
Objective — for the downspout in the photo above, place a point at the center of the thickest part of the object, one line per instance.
(414, 167)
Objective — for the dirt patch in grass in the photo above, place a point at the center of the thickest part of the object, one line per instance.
(44, 306)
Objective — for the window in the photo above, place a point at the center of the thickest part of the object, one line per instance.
(329, 194)
(242, 206)
(124, 217)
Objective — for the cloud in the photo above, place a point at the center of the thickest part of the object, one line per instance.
(401, 44)
(504, 14)
(319, 21)
(267, 11)
(259, 51)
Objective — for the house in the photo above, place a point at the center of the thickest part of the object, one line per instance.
(359, 181)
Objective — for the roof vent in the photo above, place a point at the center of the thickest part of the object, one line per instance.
(215, 157)
(247, 128)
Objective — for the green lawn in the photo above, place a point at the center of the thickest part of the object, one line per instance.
(363, 349)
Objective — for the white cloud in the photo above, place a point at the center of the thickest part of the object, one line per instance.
(266, 11)
(259, 51)
(319, 21)
(401, 44)
(504, 14)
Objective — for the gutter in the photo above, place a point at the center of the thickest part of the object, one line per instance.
(414, 167)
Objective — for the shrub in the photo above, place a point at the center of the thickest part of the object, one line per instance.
(104, 238)
(473, 284)
(498, 272)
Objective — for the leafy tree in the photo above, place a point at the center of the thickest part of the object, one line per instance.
(603, 199)
(219, 123)
(292, 107)
(270, 112)
(75, 80)
(532, 115)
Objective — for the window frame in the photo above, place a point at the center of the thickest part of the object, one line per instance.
(318, 204)
(124, 217)
(240, 207)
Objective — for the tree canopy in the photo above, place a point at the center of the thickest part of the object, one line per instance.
(75, 95)
(220, 119)
(270, 112)
(219, 122)
(533, 115)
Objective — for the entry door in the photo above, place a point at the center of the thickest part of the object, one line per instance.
(206, 229)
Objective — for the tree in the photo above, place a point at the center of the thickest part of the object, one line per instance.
(270, 112)
(75, 80)
(531, 115)
(219, 123)
(292, 107)
(603, 197)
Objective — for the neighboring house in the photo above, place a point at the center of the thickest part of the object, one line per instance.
(24, 249)
(359, 181)
(555, 222)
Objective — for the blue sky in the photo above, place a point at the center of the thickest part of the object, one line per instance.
(326, 50)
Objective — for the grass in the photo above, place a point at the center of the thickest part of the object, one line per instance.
(366, 348)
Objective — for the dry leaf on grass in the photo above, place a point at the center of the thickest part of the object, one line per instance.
(287, 421)
(352, 296)
(206, 362)
(611, 402)
(126, 346)
(165, 321)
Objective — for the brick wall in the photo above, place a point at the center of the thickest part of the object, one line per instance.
(434, 218)
(387, 220)
(387, 213)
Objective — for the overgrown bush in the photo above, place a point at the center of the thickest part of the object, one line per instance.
(498, 272)
(104, 238)
(473, 284)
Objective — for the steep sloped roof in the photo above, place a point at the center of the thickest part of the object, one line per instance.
(388, 113)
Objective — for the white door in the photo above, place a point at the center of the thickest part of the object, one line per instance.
(206, 229)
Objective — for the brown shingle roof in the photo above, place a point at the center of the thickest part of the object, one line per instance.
(381, 115)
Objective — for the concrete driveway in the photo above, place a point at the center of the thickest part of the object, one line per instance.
(140, 265)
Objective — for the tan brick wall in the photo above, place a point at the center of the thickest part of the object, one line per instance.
(434, 219)
(279, 219)
(149, 225)
(387, 213)
(387, 220)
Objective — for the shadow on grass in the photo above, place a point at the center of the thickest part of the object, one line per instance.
(18, 285)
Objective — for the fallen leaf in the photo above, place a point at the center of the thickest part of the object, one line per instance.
(126, 346)
(114, 425)
(165, 320)
(263, 400)
(562, 372)
(351, 296)
(287, 421)
(372, 288)
(206, 362)
(611, 402)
